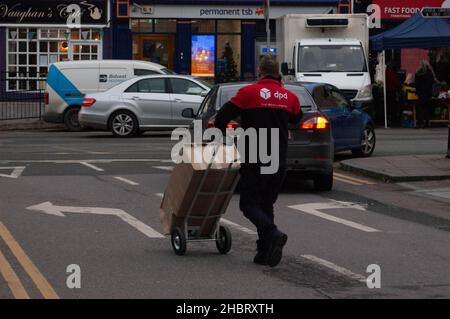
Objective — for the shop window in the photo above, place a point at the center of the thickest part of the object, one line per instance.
(229, 26)
(165, 25)
(146, 25)
(134, 25)
(203, 26)
(30, 51)
(228, 58)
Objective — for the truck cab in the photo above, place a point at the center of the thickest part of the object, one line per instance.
(340, 62)
(329, 49)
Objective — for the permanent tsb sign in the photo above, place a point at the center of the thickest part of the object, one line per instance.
(220, 11)
(56, 12)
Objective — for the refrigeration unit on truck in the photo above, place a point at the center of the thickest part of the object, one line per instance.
(327, 48)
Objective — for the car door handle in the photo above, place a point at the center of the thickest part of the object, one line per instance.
(178, 100)
(136, 98)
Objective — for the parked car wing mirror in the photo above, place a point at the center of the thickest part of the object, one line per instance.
(188, 113)
(204, 94)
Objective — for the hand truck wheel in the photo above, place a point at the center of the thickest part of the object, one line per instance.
(223, 240)
(178, 241)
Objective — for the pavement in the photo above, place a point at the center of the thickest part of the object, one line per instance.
(28, 125)
(406, 168)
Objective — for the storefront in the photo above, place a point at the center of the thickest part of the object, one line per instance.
(220, 40)
(34, 34)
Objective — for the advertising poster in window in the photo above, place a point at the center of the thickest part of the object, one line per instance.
(203, 53)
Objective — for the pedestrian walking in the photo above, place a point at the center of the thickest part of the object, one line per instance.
(424, 80)
(263, 105)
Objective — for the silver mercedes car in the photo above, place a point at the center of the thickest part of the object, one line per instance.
(143, 103)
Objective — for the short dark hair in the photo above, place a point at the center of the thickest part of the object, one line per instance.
(269, 66)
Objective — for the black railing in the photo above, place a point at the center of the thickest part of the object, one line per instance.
(21, 96)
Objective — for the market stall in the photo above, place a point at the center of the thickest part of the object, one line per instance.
(416, 32)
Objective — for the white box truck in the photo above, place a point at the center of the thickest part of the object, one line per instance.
(327, 48)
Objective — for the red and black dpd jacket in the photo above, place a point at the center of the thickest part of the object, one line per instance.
(265, 104)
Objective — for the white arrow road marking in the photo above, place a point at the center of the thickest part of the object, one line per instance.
(313, 209)
(335, 267)
(98, 169)
(164, 168)
(50, 209)
(130, 182)
(16, 171)
(237, 226)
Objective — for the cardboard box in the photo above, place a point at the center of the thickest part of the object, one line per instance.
(186, 180)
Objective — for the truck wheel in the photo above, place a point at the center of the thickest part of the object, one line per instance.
(71, 120)
(223, 240)
(323, 183)
(178, 242)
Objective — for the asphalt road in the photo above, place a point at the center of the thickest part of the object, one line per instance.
(333, 236)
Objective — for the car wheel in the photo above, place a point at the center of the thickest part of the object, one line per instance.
(124, 124)
(323, 182)
(71, 120)
(368, 142)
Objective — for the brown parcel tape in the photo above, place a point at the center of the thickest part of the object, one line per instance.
(183, 184)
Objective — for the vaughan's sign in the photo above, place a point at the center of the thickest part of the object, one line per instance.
(62, 12)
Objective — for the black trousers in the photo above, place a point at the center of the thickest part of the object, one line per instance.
(422, 111)
(258, 195)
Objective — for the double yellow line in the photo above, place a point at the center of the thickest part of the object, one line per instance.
(351, 180)
(10, 276)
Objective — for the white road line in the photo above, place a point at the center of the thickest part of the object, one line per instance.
(165, 168)
(98, 169)
(313, 209)
(347, 181)
(237, 226)
(227, 222)
(16, 171)
(106, 160)
(100, 153)
(336, 268)
(354, 179)
(126, 181)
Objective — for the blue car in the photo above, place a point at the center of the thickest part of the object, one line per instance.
(353, 129)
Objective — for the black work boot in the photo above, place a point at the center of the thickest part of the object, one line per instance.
(275, 252)
(261, 254)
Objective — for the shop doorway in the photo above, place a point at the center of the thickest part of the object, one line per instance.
(156, 48)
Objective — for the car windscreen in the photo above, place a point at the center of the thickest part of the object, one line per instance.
(331, 58)
(306, 101)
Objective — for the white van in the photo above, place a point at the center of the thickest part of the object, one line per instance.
(68, 82)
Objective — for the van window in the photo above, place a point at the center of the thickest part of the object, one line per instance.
(148, 86)
(141, 72)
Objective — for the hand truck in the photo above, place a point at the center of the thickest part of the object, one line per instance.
(180, 236)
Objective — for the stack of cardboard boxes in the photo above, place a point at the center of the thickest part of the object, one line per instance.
(221, 165)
